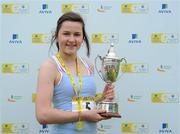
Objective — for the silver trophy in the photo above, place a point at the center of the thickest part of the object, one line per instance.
(110, 66)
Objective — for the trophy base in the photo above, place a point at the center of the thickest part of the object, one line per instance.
(111, 109)
(110, 114)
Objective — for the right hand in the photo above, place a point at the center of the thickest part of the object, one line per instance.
(108, 92)
(93, 115)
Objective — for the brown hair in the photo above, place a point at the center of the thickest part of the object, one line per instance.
(71, 16)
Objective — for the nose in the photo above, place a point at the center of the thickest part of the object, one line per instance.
(71, 38)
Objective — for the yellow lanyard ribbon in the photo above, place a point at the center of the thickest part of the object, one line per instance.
(77, 92)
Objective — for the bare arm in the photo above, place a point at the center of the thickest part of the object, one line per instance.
(45, 113)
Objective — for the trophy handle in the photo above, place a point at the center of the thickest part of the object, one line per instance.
(98, 71)
(125, 61)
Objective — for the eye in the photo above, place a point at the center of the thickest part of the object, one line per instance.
(77, 34)
(66, 33)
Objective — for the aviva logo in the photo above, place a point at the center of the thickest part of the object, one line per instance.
(164, 9)
(44, 129)
(164, 6)
(44, 6)
(165, 129)
(134, 36)
(164, 125)
(44, 9)
(15, 39)
(134, 39)
(15, 36)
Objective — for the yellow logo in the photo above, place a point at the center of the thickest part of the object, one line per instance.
(156, 38)
(40, 38)
(164, 38)
(126, 8)
(7, 68)
(105, 38)
(15, 8)
(134, 68)
(15, 68)
(127, 127)
(97, 38)
(15, 128)
(6, 128)
(134, 8)
(164, 97)
(66, 8)
(7, 8)
(156, 97)
(75, 7)
(134, 127)
(126, 68)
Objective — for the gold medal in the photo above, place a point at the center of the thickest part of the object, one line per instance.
(79, 125)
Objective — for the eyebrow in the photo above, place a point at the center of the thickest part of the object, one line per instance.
(69, 31)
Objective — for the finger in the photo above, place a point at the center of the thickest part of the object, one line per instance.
(110, 91)
(101, 111)
(106, 117)
(110, 98)
(111, 86)
(105, 88)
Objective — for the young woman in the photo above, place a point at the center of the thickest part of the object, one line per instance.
(66, 87)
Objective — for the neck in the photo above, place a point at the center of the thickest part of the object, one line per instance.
(68, 59)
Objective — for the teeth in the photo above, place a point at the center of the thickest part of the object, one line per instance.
(70, 45)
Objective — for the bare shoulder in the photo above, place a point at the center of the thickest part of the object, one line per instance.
(48, 66)
(48, 63)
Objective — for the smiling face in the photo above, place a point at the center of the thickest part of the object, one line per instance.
(70, 37)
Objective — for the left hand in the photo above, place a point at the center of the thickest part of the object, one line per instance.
(108, 92)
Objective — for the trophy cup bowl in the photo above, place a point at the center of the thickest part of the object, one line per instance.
(110, 69)
(110, 65)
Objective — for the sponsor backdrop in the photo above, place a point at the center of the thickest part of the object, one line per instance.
(146, 33)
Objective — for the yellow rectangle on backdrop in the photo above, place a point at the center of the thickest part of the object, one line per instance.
(66, 8)
(97, 38)
(156, 97)
(6, 128)
(7, 68)
(126, 68)
(37, 38)
(127, 127)
(126, 8)
(156, 38)
(7, 8)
